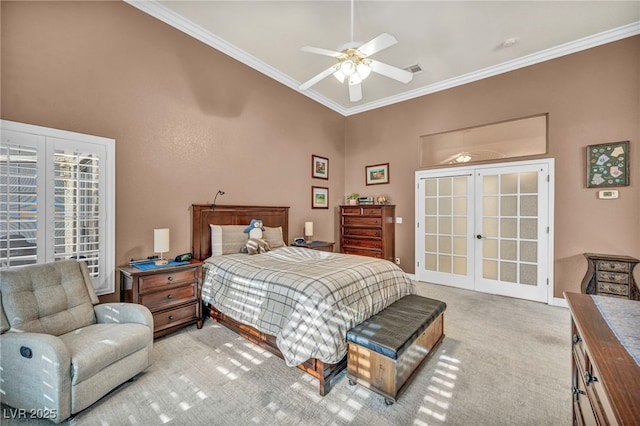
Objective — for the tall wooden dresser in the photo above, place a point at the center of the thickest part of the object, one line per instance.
(368, 230)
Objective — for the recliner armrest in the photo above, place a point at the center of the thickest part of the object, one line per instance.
(29, 361)
(124, 313)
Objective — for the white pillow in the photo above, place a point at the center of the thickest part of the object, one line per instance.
(227, 239)
(274, 237)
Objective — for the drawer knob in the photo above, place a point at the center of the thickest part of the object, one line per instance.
(170, 296)
(576, 339)
(170, 317)
(169, 278)
(577, 391)
(589, 378)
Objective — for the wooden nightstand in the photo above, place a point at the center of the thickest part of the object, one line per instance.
(316, 245)
(172, 294)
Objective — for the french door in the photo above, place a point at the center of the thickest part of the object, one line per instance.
(486, 228)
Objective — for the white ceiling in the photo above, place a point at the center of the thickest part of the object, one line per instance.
(454, 42)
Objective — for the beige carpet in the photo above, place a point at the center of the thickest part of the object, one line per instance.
(503, 362)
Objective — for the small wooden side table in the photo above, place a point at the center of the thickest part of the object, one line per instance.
(610, 275)
(316, 245)
(172, 294)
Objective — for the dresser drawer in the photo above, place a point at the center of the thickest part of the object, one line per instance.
(361, 221)
(365, 243)
(165, 298)
(152, 282)
(362, 232)
(613, 277)
(362, 252)
(371, 211)
(612, 266)
(351, 210)
(173, 317)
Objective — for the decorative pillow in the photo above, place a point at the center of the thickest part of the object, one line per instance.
(256, 245)
(227, 239)
(274, 237)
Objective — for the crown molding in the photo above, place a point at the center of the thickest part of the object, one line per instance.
(166, 15)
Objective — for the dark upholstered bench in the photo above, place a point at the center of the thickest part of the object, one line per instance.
(385, 350)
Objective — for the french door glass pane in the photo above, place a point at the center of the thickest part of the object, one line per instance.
(510, 227)
(446, 210)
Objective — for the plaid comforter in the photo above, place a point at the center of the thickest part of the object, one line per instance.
(308, 299)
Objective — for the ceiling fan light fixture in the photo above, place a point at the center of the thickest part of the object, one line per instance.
(363, 69)
(339, 75)
(348, 67)
(355, 78)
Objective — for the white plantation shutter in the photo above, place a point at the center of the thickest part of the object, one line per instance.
(19, 171)
(76, 201)
(62, 203)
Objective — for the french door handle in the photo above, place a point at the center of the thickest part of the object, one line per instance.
(479, 236)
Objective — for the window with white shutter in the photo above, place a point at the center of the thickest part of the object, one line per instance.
(57, 200)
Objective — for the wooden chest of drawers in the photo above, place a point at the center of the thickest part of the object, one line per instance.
(368, 230)
(171, 293)
(610, 275)
(605, 377)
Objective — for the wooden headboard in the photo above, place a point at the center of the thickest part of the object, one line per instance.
(205, 215)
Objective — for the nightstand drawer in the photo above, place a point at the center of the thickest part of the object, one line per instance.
(152, 282)
(611, 288)
(612, 266)
(169, 297)
(613, 277)
(173, 317)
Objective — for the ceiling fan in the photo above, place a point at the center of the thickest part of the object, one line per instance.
(354, 64)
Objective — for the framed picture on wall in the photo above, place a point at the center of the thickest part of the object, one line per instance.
(319, 197)
(377, 174)
(608, 165)
(319, 167)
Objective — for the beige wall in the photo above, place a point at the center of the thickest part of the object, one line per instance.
(591, 97)
(188, 121)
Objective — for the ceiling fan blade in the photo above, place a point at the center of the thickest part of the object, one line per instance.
(383, 41)
(355, 92)
(399, 74)
(317, 78)
(320, 51)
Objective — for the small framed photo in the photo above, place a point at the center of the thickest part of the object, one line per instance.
(608, 165)
(319, 167)
(377, 174)
(319, 197)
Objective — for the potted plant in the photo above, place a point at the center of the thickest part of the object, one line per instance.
(353, 198)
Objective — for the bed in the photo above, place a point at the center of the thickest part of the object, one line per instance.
(260, 296)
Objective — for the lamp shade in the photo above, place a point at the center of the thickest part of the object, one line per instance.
(308, 228)
(161, 240)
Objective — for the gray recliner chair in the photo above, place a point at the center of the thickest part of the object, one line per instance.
(59, 352)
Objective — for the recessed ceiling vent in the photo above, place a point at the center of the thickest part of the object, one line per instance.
(414, 69)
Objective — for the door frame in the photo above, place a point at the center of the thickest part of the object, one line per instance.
(549, 162)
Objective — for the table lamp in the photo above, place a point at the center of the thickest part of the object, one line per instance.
(161, 244)
(308, 231)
